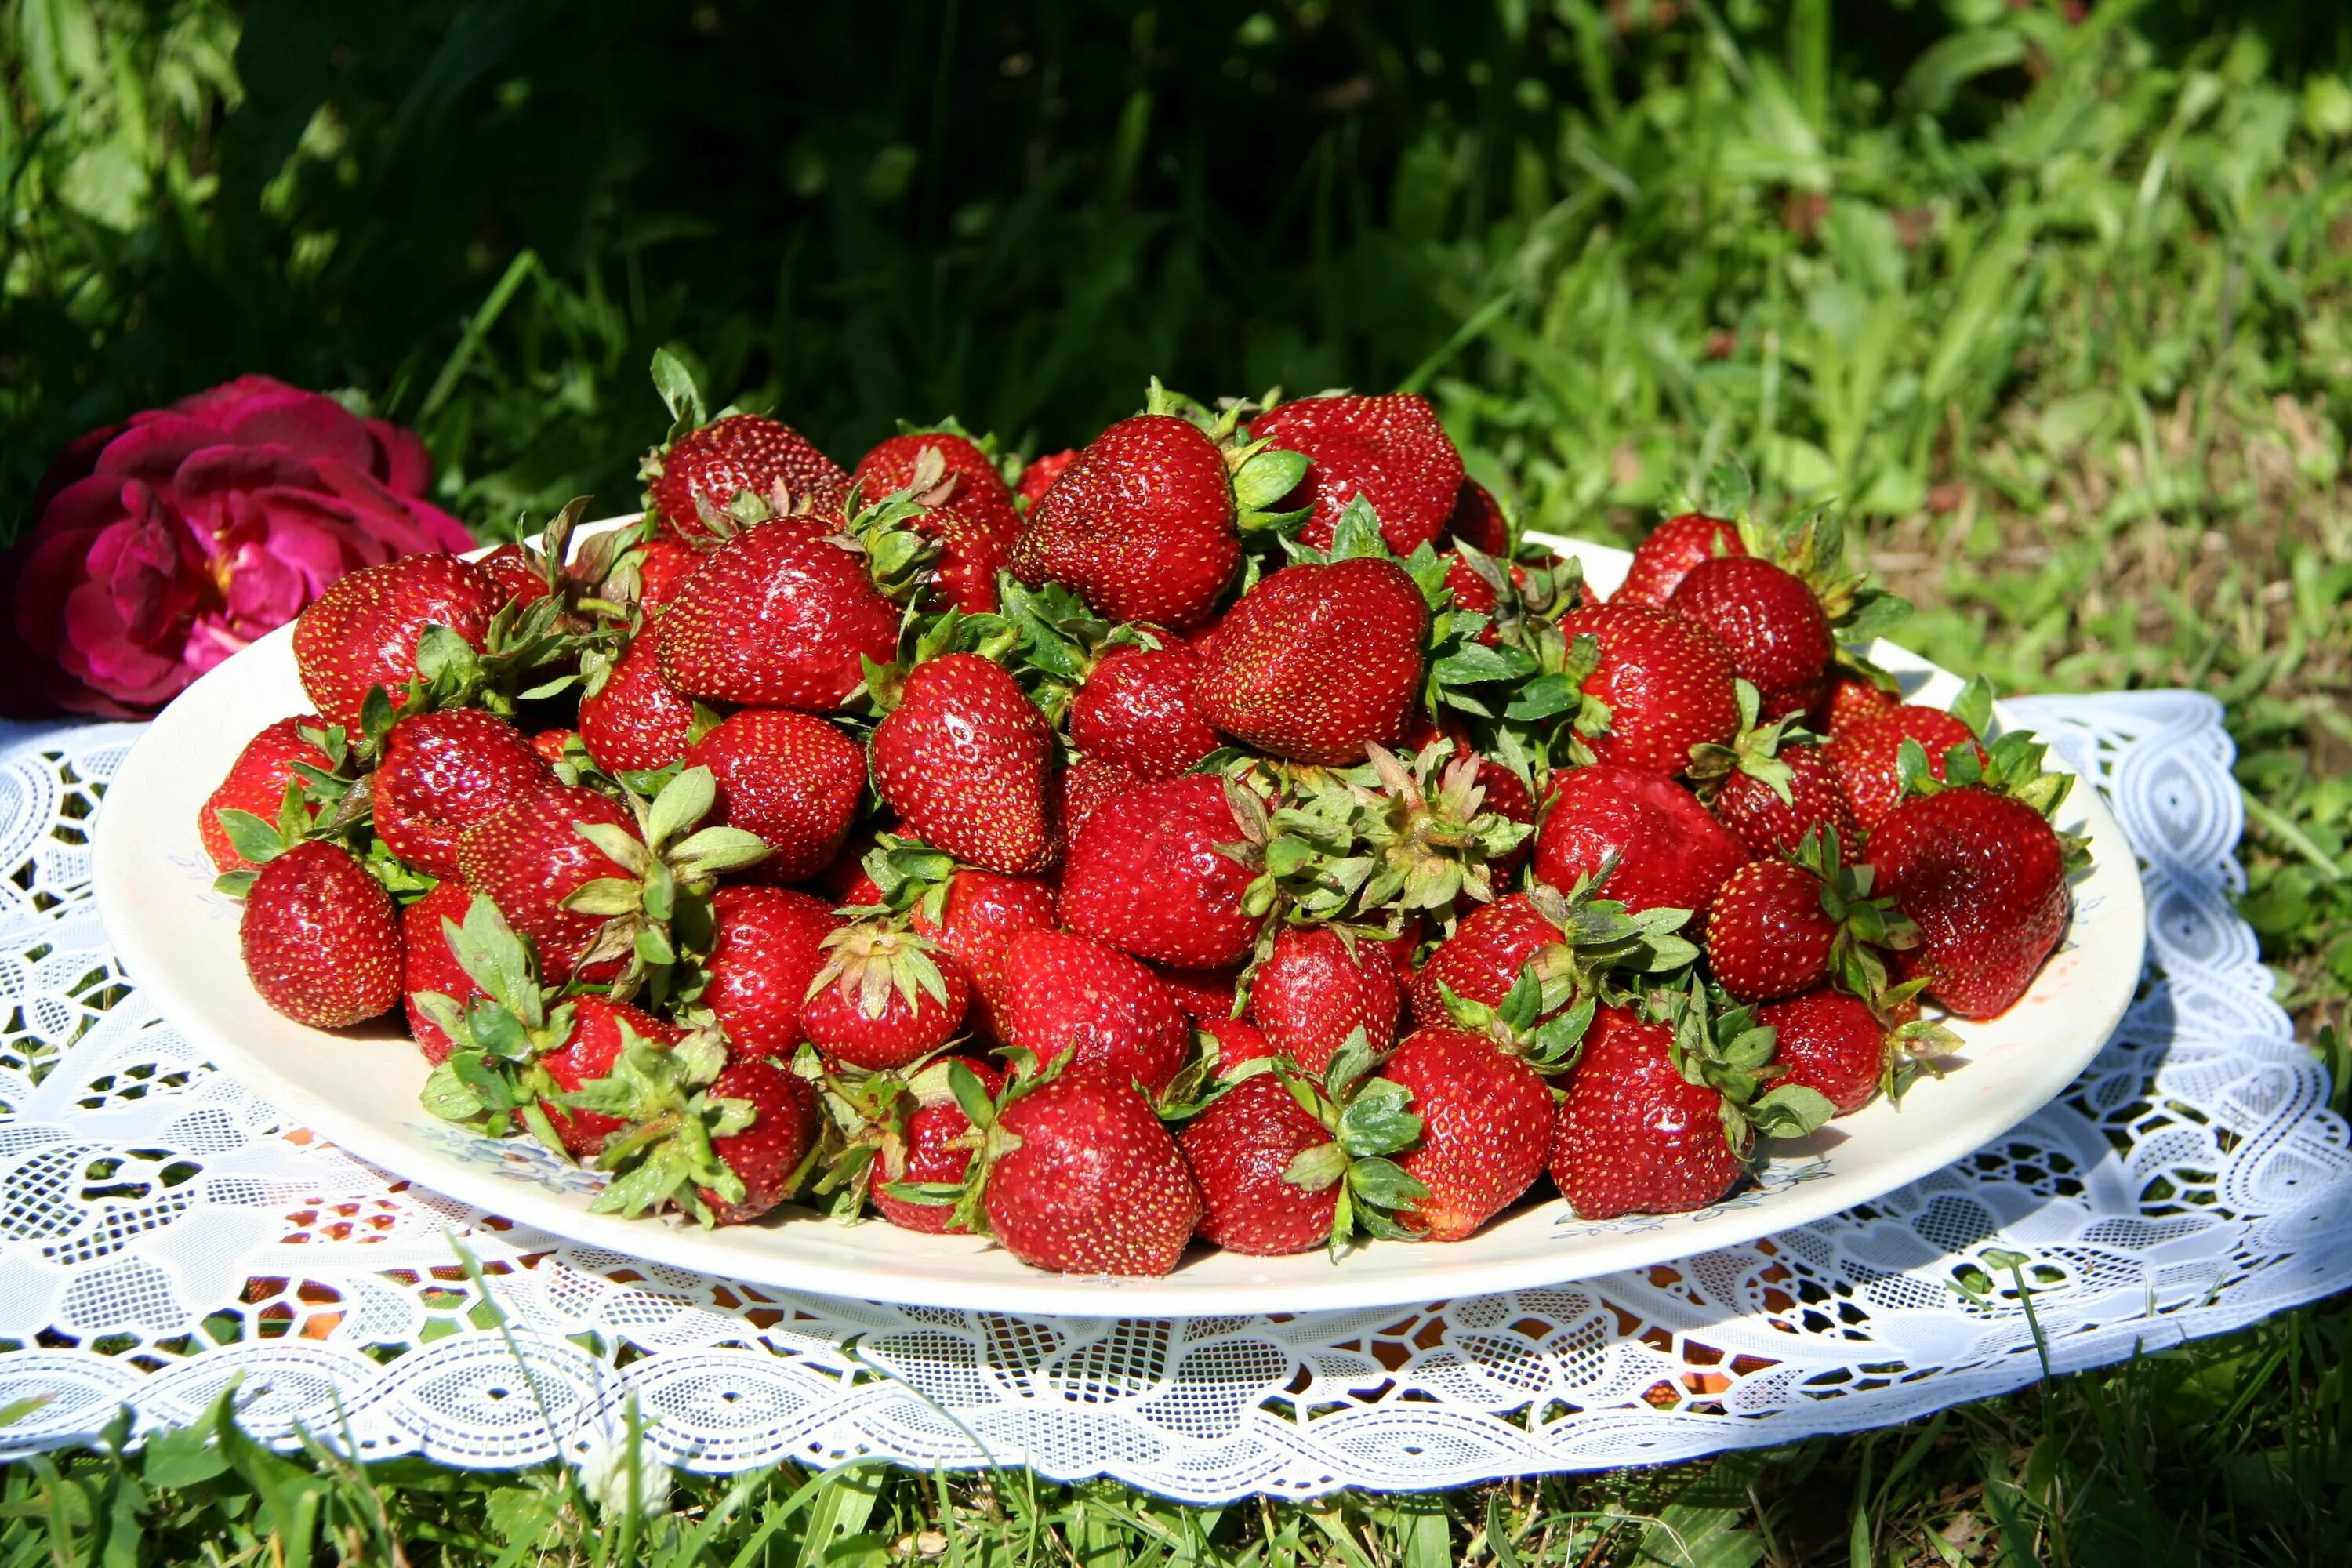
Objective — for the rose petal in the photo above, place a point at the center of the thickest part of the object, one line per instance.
(214, 404)
(156, 446)
(402, 462)
(302, 422)
(411, 525)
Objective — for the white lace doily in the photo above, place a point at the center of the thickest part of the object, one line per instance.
(163, 1231)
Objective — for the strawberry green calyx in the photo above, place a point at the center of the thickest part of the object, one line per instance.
(1812, 548)
(908, 874)
(1867, 927)
(664, 1159)
(989, 1140)
(1722, 1047)
(879, 961)
(1368, 1121)
(1604, 954)
(1555, 691)
(670, 874)
(491, 1078)
(1754, 751)
(328, 803)
(865, 1128)
(1542, 1020)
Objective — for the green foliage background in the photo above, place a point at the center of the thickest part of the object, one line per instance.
(2053, 298)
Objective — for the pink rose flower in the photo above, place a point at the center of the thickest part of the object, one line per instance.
(163, 545)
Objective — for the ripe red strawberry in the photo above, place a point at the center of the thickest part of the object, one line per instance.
(1315, 662)
(1865, 755)
(794, 779)
(971, 514)
(442, 772)
(1850, 700)
(1063, 991)
(1477, 520)
(965, 759)
(550, 744)
(930, 1146)
(1199, 992)
(1310, 992)
(1087, 784)
(1670, 853)
(1094, 1184)
(778, 617)
(1038, 476)
(1666, 682)
(1239, 1149)
(982, 914)
(1632, 1136)
(1769, 825)
(767, 946)
(662, 566)
(636, 720)
(1827, 1042)
(704, 470)
(589, 1052)
(1485, 1123)
(1237, 1041)
(1142, 524)
(1674, 547)
(1780, 639)
(1390, 449)
(362, 631)
(518, 577)
(1153, 878)
(320, 941)
(1983, 876)
(884, 998)
(426, 963)
(1482, 959)
(1767, 933)
(257, 782)
(1136, 709)
(767, 1154)
(527, 856)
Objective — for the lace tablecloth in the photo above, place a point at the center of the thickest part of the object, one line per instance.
(162, 1231)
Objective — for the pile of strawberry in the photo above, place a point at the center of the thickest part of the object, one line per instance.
(1231, 830)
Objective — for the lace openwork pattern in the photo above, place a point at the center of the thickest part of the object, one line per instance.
(162, 1231)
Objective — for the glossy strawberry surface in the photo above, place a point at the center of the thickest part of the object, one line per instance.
(1667, 683)
(1157, 877)
(1390, 449)
(440, 774)
(1769, 825)
(704, 471)
(1316, 662)
(1066, 992)
(1984, 879)
(794, 779)
(1486, 1125)
(321, 941)
(1672, 548)
(984, 914)
(766, 948)
(636, 721)
(1096, 1186)
(765, 1155)
(780, 616)
(1137, 712)
(426, 963)
(1866, 754)
(1312, 992)
(1141, 524)
(967, 759)
(971, 514)
(1670, 853)
(257, 782)
(362, 631)
(529, 857)
(1779, 639)
(1767, 934)
(1632, 1136)
(1239, 1149)
(1827, 1041)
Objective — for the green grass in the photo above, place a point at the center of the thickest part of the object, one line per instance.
(2059, 311)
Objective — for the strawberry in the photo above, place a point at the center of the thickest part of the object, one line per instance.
(1661, 686)
(779, 616)
(257, 782)
(1485, 1122)
(1477, 520)
(1830, 1042)
(1068, 991)
(551, 744)
(429, 964)
(1866, 755)
(1311, 993)
(1633, 1135)
(662, 566)
(929, 1143)
(978, 917)
(969, 510)
(1087, 784)
(1390, 449)
(528, 856)
(1772, 824)
(633, 720)
(1851, 699)
(362, 631)
(1199, 992)
(1780, 639)
(1983, 876)
(693, 479)
(792, 779)
(321, 941)
(965, 758)
(1767, 933)
(1661, 560)
(521, 582)
(1136, 710)
(1142, 523)
(1482, 958)
(1159, 876)
(1315, 662)
(1237, 1041)
(885, 998)
(1669, 853)
(767, 946)
(1240, 1150)
(1081, 1178)
(1037, 475)
(588, 1052)
(439, 773)
(724, 1141)
(765, 1155)
(1563, 943)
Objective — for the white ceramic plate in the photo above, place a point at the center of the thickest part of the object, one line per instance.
(178, 939)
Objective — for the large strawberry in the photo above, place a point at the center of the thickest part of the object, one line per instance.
(1314, 990)
(1831, 1043)
(1390, 449)
(530, 857)
(1161, 877)
(1849, 700)
(1485, 1126)
(766, 1154)
(439, 773)
(1066, 992)
(1661, 686)
(1634, 1135)
(926, 1142)
(767, 944)
(782, 616)
(586, 1053)
(791, 778)
(1081, 1178)
(257, 782)
(1316, 662)
(1867, 755)
(1780, 639)
(885, 998)
(976, 921)
(1136, 710)
(1483, 958)
(1774, 810)
(1983, 876)
(691, 479)
(966, 759)
(322, 943)
(1241, 1149)
(1668, 852)
(632, 719)
(968, 509)
(363, 632)
(1661, 560)
(429, 963)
